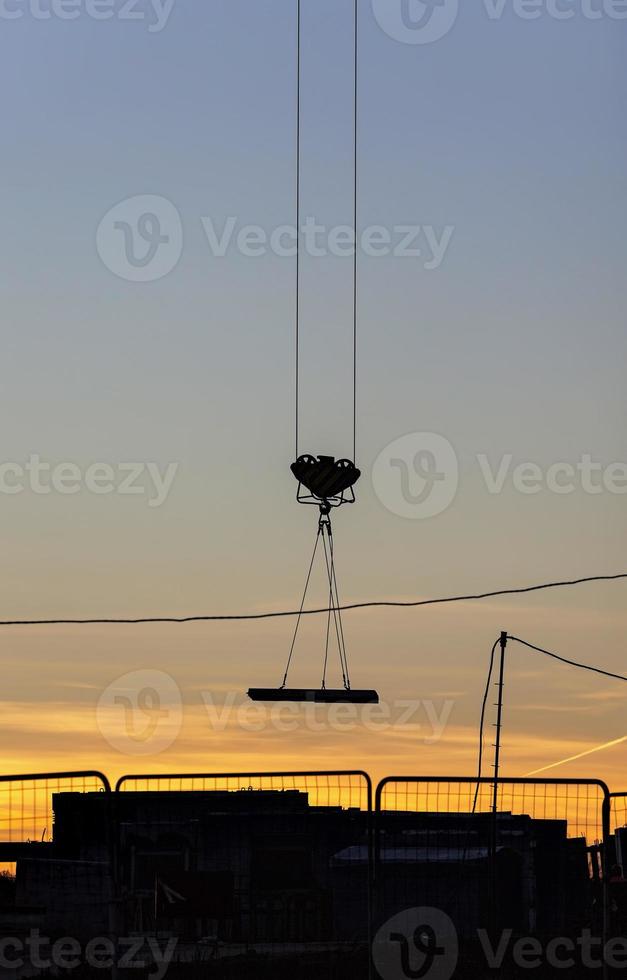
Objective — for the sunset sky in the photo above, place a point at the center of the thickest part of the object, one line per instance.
(508, 132)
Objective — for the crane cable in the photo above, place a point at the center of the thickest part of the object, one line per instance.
(297, 297)
(299, 211)
(300, 612)
(337, 613)
(355, 218)
(333, 610)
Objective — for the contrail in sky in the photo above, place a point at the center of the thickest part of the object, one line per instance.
(573, 758)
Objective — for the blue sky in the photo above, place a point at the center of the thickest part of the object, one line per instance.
(509, 131)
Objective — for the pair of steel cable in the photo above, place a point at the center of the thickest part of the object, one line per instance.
(334, 612)
(299, 211)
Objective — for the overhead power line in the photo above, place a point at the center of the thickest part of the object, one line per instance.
(554, 656)
(236, 617)
(571, 663)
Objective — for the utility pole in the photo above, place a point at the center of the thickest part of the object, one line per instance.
(494, 898)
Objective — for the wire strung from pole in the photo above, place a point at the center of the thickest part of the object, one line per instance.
(571, 663)
(284, 614)
(482, 726)
(548, 653)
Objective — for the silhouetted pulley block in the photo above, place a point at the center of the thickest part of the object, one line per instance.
(326, 479)
(310, 695)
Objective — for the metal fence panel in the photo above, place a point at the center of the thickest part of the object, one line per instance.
(619, 811)
(446, 866)
(56, 872)
(346, 788)
(619, 830)
(269, 871)
(27, 802)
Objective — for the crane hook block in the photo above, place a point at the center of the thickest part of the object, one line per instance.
(326, 479)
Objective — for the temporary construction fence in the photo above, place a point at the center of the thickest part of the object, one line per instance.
(527, 857)
(286, 857)
(619, 830)
(310, 873)
(26, 802)
(619, 811)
